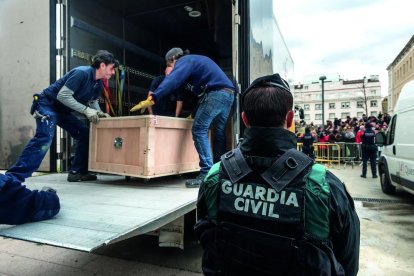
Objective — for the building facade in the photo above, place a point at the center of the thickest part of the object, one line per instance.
(400, 71)
(342, 98)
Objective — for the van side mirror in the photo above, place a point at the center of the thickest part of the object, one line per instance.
(380, 139)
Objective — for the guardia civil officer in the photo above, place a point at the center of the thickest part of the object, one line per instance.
(369, 150)
(67, 103)
(307, 141)
(266, 209)
(20, 205)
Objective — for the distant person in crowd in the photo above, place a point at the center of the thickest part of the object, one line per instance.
(307, 139)
(358, 138)
(369, 151)
(387, 118)
(334, 137)
(364, 118)
(337, 122)
(349, 136)
(267, 209)
(67, 103)
(216, 93)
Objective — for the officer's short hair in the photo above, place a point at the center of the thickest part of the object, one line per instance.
(103, 56)
(267, 101)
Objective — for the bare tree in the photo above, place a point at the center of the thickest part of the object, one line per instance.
(364, 96)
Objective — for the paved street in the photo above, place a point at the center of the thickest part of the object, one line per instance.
(387, 240)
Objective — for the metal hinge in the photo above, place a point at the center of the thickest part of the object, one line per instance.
(237, 19)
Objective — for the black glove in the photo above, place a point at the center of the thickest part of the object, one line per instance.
(48, 189)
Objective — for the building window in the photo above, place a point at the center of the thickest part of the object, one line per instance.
(345, 105)
(374, 113)
(331, 105)
(307, 117)
(373, 92)
(305, 107)
(331, 116)
(318, 116)
(345, 114)
(359, 114)
(360, 104)
(306, 87)
(318, 106)
(318, 96)
(373, 103)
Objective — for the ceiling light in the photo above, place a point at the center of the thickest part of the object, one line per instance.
(194, 13)
(188, 8)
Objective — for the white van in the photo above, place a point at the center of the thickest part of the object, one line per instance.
(396, 164)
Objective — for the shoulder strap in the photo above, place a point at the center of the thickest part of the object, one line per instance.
(317, 207)
(286, 168)
(235, 165)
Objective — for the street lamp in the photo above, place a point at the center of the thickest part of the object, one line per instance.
(323, 78)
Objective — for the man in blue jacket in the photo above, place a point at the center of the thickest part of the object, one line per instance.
(216, 94)
(66, 103)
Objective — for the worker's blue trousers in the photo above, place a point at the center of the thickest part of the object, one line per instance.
(20, 205)
(33, 154)
(213, 110)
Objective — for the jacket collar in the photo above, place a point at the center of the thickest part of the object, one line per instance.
(267, 141)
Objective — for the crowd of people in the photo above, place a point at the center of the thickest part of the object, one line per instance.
(361, 131)
(348, 130)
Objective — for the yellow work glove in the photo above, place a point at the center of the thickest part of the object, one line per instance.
(143, 105)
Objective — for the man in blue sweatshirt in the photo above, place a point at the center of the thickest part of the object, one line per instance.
(216, 94)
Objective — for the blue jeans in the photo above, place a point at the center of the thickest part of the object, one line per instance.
(34, 152)
(213, 110)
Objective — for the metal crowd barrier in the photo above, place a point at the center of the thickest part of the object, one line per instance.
(350, 153)
(341, 152)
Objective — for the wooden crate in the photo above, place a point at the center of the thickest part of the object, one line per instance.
(142, 146)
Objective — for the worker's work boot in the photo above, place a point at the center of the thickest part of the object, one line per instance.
(195, 183)
(77, 177)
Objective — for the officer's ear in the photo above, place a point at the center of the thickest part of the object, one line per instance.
(244, 118)
(289, 118)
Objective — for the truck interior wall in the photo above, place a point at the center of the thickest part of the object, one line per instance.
(155, 27)
(25, 56)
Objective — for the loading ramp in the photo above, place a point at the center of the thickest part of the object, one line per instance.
(98, 213)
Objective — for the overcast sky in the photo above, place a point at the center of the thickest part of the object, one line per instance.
(353, 38)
